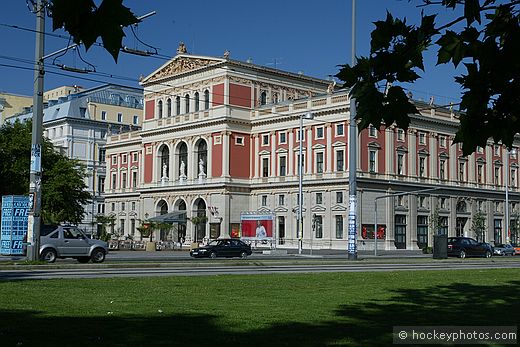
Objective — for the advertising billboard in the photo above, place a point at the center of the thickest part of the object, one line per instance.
(257, 226)
(15, 214)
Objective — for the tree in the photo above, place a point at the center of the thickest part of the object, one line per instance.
(63, 188)
(85, 22)
(485, 38)
(515, 227)
(104, 221)
(478, 225)
(435, 221)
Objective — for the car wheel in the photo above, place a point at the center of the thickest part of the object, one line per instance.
(83, 260)
(48, 255)
(213, 255)
(243, 254)
(462, 254)
(98, 255)
(488, 254)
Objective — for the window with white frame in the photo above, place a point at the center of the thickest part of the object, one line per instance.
(400, 163)
(480, 150)
(340, 160)
(497, 175)
(318, 226)
(442, 141)
(340, 129)
(372, 160)
(136, 120)
(513, 177)
(339, 226)
(339, 197)
(422, 138)
(480, 173)
(123, 159)
(283, 165)
(264, 200)
(282, 137)
(422, 166)
(134, 156)
(298, 135)
(462, 171)
(496, 150)
(265, 167)
(114, 180)
(372, 131)
(442, 169)
(134, 179)
(298, 162)
(442, 203)
(123, 180)
(120, 117)
(319, 162)
(265, 139)
(239, 140)
(103, 115)
(400, 135)
(281, 199)
(319, 198)
(319, 133)
(114, 159)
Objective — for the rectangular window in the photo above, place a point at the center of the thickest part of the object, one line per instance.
(283, 165)
(136, 120)
(422, 231)
(102, 154)
(239, 140)
(114, 159)
(462, 171)
(442, 169)
(422, 166)
(442, 141)
(101, 184)
(82, 112)
(114, 181)
(265, 140)
(123, 206)
(134, 179)
(422, 138)
(400, 231)
(123, 180)
(372, 161)
(101, 208)
(120, 117)
(319, 162)
(103, 115)
(513, 177)
(400, 135)
(480, 176)
(298, 135)
(496, 150)
(498, 231)
(443, 225)
(302, 163)
(480, 150)
(135, 157)
(339, 197)
(132, 227)
(319, 133)
(497, 175)
(133, 205)
(123, 159)
(113, 206)
(265, 167)
(400, 164)
(122, 227)
(282, 137)
(281, 199)
(264, 200)
(340, 160)
(372, 132)
(340, 130)
(281, 229)
(339, 227)
(443, 203)
(319, 198)
(318, 226)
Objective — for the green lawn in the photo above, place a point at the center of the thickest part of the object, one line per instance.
(357, 309)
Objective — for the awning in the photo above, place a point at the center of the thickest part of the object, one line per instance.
(172, 217)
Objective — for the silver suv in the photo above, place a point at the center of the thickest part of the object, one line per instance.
(70, 242)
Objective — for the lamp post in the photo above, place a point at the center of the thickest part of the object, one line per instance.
(299, 230)
(508, 153)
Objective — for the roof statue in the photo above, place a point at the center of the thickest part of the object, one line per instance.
(226, 54)
(182, 48)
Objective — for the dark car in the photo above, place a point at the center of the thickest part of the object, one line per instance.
(506, 249)
(222, 248)
(467, 247)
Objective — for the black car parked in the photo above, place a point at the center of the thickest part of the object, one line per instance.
(467, 247)
(222, 248)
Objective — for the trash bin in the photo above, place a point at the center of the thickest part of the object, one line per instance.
(440, 246)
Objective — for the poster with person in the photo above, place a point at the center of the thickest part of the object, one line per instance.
(257, 226)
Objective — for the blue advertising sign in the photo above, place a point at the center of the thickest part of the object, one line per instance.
(15, 214)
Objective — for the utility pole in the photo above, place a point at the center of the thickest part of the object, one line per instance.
(35, 186)
(352, 158)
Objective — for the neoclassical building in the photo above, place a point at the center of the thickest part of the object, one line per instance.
(220, 138)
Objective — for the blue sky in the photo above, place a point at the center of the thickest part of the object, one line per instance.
(293, 35)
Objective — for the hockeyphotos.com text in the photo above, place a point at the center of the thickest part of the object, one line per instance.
(454, 334)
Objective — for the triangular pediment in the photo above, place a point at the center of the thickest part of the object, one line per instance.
(339, 208)
(318, 208)
(263, 209)
(281, 209)
(180, 64)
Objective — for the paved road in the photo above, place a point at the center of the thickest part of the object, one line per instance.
(248, 268)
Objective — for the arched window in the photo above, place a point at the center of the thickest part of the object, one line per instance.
(197, 101)
(160, 109)
(202, 157)
(165, 162)
(206, 99)
(169, 107)
(187, 102)
(178, 105)
(263, 98)
(200, 228)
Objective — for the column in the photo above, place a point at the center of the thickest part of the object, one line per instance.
(308, 145)
(329, 154)
(225, 153)
(191, 164)
(274, 172)
(453, 163)
(389, 149)
(290, 155)
(209, 160)
(254, 157)
(173, 173)
(433, 171)
(412, 152)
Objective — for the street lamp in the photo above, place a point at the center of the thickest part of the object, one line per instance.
(508, 153)
(299, 230)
